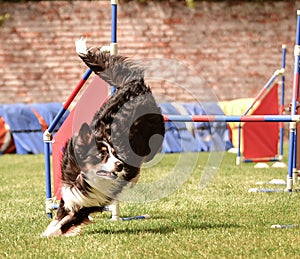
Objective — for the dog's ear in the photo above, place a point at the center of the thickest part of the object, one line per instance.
(85, 135)
(101, 133)
(83, 143)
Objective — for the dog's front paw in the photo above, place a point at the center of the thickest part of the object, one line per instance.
(53, 229)
(80, 45)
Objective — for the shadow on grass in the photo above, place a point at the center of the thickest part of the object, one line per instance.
(161, 226)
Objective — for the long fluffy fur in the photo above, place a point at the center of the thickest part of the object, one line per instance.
(131, 99)
(130, 123)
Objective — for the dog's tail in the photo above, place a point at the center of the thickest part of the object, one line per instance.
(115, 70)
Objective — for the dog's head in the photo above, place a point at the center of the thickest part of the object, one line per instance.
(92, 157)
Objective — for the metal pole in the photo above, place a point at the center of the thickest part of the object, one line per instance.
(281, 125)
(114, 44)
(292, 146)
(114, 208)
(232, 118)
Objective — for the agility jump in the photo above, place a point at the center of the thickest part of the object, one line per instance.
(266, 101)
(48, 134)
(293, 118)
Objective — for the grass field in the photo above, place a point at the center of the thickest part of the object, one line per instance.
(222, 220)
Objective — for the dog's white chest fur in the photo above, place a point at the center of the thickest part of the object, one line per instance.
(100, 194)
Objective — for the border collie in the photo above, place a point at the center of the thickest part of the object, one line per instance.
(107, 155)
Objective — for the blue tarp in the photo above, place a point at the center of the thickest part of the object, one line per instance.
(48, 111)
(195, 136)
(25, 126)
(218, 130)
(177, 137)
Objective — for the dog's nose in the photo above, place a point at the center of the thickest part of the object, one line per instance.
(119, 166)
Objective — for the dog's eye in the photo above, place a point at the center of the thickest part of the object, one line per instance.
(103, 154)
(103, 150)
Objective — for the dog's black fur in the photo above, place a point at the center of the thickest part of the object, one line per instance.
(126, 131)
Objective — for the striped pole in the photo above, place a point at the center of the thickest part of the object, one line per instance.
(257, 160)
(292, 146)
(47, 137)
(69, 100)
(232, 118)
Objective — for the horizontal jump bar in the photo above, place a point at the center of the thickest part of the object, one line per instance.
(232, 118)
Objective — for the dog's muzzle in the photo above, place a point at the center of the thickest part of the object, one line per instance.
(110, 170)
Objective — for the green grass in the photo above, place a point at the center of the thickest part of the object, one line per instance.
(222, 220)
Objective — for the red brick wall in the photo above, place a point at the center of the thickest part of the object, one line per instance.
(219, 51)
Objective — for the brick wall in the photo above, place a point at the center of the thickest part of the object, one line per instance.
(219, 51)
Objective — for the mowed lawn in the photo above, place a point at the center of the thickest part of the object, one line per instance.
(222, 220)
